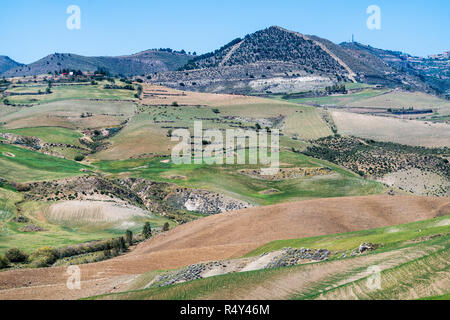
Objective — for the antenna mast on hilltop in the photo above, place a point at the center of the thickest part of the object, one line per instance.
(353, 38)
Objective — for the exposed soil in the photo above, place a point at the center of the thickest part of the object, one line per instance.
(221, 237)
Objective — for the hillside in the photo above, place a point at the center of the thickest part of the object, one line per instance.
(413, 264)
(146, 62)
(398, 68)
(272, 44)
(269, 60)
(6, 63)
(225, 236)
(276, 60)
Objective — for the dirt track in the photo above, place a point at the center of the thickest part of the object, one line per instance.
(224, 236)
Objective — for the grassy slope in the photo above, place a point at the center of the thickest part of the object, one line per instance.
(54, 234)
(48, 134)
(68, 113)
(388, 236)
(400, 99)
(340, 100)
(380, 98)
(33, 166)
(397, 281)
(225, 179)
(60, 93)
(415, 278)
(147, 130)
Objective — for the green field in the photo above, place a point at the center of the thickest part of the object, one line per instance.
(48, 134)
(390, 237)
(55, 234)
(147, 130)
(28, 165)
(342, 99)
(369, 97)
(227, 180)
(69, 114)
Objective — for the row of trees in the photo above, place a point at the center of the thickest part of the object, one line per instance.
(46, 256)
(336, 88)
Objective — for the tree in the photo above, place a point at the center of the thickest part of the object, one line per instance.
(129, 237)
(166, 227)
(122, 244)
(147, 231)
(49, 88)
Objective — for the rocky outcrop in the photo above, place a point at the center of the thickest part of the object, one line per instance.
(160, 197)
(30, 142)
(291, 257)
(82, 188)
(284, 258)
(205, 202)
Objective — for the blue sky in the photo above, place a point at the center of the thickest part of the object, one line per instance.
(30, 30)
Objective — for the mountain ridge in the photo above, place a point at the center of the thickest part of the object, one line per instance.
(245, 65)
(145, 62)
(6, 63)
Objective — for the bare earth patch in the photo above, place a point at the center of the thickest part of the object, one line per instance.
(409, 132)
(87, 212)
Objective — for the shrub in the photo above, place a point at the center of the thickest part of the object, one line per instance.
(21, 187)
(44, 257)
(3, 262)
(15, 255)
(79, 157)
